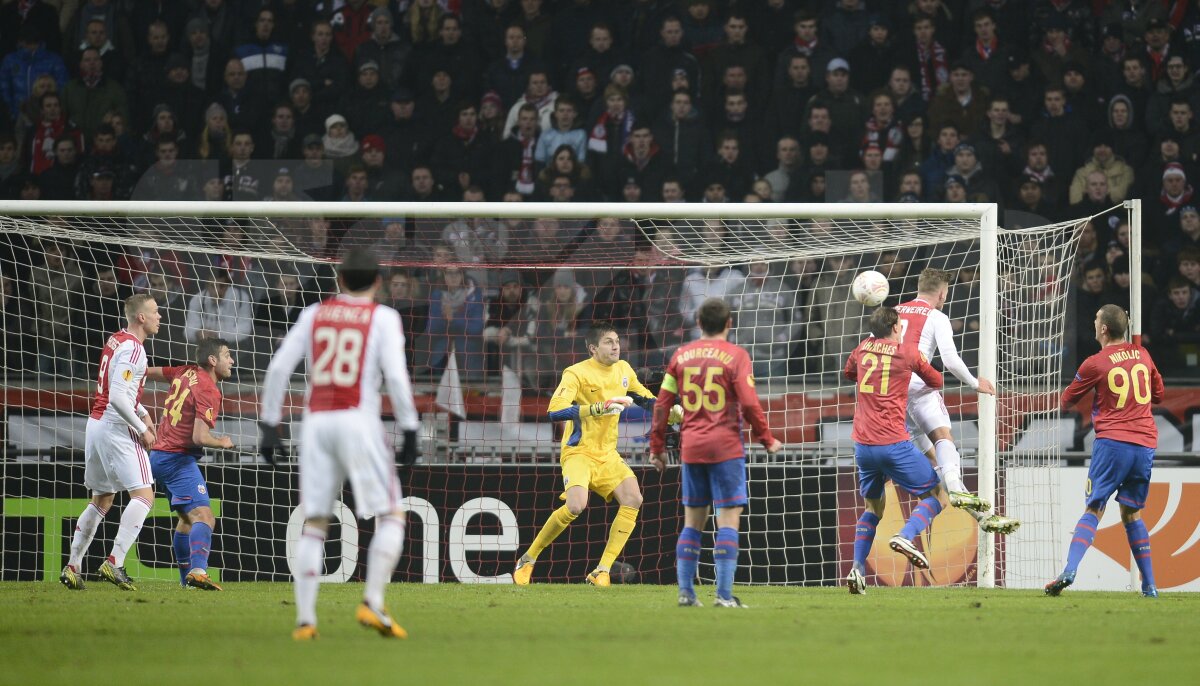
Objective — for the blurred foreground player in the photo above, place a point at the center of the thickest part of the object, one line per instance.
(349, 343)
(1126, 383)
(714, 381)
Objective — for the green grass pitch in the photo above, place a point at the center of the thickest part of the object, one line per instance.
(574, 634)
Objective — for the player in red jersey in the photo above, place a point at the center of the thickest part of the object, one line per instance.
(714, 381)
(189, 415)
(1126, 384)
(350, 344)
(119, 432)
(881, 367)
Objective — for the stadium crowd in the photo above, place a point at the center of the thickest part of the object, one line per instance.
(1053, 109)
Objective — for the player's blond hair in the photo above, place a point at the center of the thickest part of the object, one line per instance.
(1115, 320)
(134, 305)
(932, 280)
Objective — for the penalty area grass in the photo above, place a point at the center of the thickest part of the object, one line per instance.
(576, 634)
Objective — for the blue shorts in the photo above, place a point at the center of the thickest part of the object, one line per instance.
(1121, 468)
(181, 476)
(720, 484)
(900, 462)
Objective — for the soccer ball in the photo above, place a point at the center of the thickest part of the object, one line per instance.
(870, 288)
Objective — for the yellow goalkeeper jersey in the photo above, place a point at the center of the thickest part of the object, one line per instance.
(591, 382)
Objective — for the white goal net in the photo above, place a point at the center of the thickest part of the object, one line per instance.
(495, 299)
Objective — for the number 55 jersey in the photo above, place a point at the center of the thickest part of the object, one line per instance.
(714, 380)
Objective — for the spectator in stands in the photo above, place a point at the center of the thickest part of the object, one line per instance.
(276, 314)
(1177, 86)
(787, 154)
(564, 165)
(351, 24)
(554, 341)
(366, 106)
(512, 319)
(220, 310)
(147, 74)
(1093, 292)
(941, 160)
(1119, 175)
(456, 319)
(872, 60)
(323, 68)
(835, 319)
(58, 181)
(90, 95)
(1030, 198)
(658, 64)
(847, 107)
(244, 107)
(403, 295)
(437, 105)
(1188, 236)
(37, 13)
(788, 98)
(339, 141)
(462, 157)
(1174, 323)
(51, 127)
(23, 66)
(988, 61)
(103, 153)
(492, 115)
(642, 159)
(205, 64)
(566, 131)
(954, 189)
(928, 59)
(997, 140)
(386, 49)
(1128, 141)
(1063, 133)
(806, 41)
(539, 94)
(163, 124)
(766, 318)
(882, 128)
(166, 179)
(981, 184)
(314, 176)
(508, 75)
(242, 176)
(1037, 165)
(514, 160)
(1082, 98)
(57, 284)
(960, 103)
(703, 283)
(1058, 49)
(355, 185)
(450, 52)
(102, 304)
(421, 22)
(265, 59)
(1161, 219)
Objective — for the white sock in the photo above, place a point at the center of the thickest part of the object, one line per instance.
(382, 556)
(85, 531)
(949, 460)
(310, 557)
(131, 525)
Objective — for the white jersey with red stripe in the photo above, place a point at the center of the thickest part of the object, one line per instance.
(350, 345)
(119, 381)
(929, 329)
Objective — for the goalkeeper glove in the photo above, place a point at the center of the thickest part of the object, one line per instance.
(268, 442)
(615, 405)
(675, 416)
(410, 451)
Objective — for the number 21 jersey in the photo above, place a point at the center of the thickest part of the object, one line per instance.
(881, 368)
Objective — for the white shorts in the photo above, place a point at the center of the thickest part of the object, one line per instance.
(340, 445)
(114, 459)
(926, 412)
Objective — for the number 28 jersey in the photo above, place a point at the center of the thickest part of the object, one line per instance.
(1126, 383)
(882, 369)
(350, 345)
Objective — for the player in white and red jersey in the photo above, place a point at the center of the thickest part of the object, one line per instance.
(119, 434)
(350, 344)
(925, 326)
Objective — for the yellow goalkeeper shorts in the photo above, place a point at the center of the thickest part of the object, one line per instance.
(599, 476)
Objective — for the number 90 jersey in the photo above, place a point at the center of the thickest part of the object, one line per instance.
(350, 345)
(1126, 383)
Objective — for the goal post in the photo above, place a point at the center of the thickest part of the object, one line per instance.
(489, 474)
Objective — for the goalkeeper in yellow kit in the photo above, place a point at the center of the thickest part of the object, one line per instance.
(590, 398)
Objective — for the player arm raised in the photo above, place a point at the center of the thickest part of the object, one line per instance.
(743, 387)
(399, 386)
(943, 334)
(275, 385)
(1085, 380)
